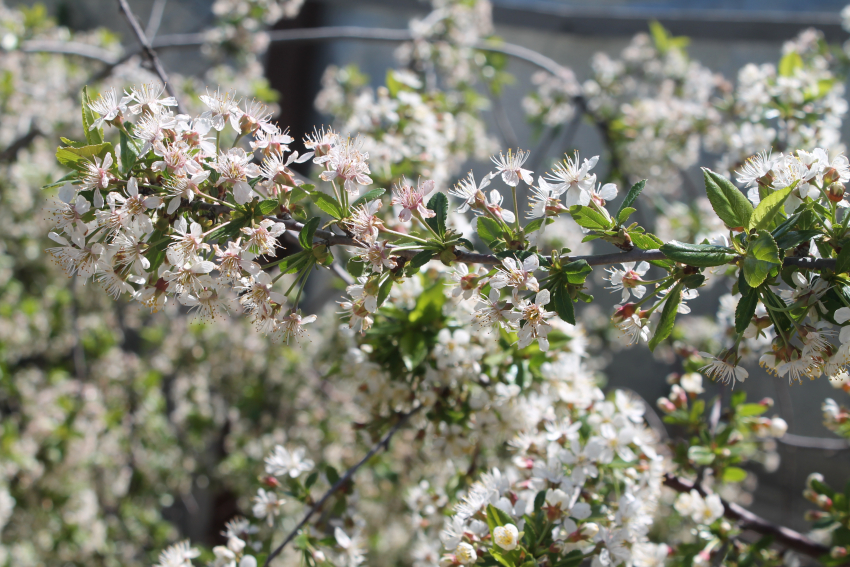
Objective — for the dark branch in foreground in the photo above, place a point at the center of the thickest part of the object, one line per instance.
(148, 50)
(782, 535)
(343, 480)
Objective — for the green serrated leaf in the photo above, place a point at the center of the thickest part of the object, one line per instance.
(563, 305)
(762, 256)
(631, 196)
(384, 291)
(76, 157)
(440, 205)
(728, 202)
(355, 267)
(768, 208)
(94, 136)
(624, 215)
(299, 193)
(418, 261)
(789, 64)
(589, 217)
(305, 238)
(700, 255)
(749, 410)
(668, 316)
(745, 310)
(268, 206)
(368, 196)
(488, 229)
(842, 261)
(129, 151)
(794, 238)
(327, 204)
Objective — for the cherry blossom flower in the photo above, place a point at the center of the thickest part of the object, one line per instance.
(363, 223)
(494, 205)
(412, 199)
(534, 315)
(725, 370)
(347, 160)
(283, 462)
(518, 276)
(471, 194)
(510, 166)
(236, 168)
(222, 106)
(506, 536)
(188, 242)
(233, 260)
(262, 239)
(628, 279)
(574, 179)
(267, 505)
(147, 99)
(108, 107)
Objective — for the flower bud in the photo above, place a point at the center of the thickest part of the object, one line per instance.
(778, 427)
(831, 175)
(624, 312)
(810, 495)
(824, 501)
(665, 405)
(812, 478)
(838, 552)
(678, 396)
(766, 402)
(589, 530)
(814, 515)
(835, 192)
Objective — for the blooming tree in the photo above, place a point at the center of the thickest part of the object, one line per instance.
(461, 324)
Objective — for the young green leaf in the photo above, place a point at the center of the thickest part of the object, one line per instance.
(631, 196)
(94, 136)
(440, 205)
(129, 152)
(488, 229)
(762, 256)
(368, 196)
(728, 202)
(768, 208)
(590, 218)
(746, 309)
(327, 203)
(306, 236)
(563, 304)
(668, 316)
(268, 206)
(842, 262)
(700, 255)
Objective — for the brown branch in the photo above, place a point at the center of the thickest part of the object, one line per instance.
(343, 480)
(11, 152)
(148, 50)
(784, 536)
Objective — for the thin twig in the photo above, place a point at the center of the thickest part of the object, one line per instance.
(69, 48)
(343, 480)
(155, 19)
(784, 536)
(149, 51)
(11, 152)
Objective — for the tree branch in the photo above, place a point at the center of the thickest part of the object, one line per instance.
(69, 48)
(148, 50)
(819, 443)
(343, 480)
(11, 152)
(784, 536)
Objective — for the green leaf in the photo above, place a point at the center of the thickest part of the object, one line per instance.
(156, 253)
(589, 217)
(728, 202)
(413, 349)
(700, 255)
(536, 224)
(299, 193)
(306, 236)
(762, 256)
(440, 205)
(734, 474)
(789, 63)
(746, 309)
(418, 261)
(794, 238)
(327, 203)
(93, 136)
(768, 208)
(700, 455)
(129, 151)
(842, 261)
(384, 291)
(668, 316)
(631, 196)
(577, 271)
(500, 558)
(268, 206)
(61, 182)
(563, 305)
(76, 157)
(624, 215)
(368, 196)
(572, 559)
(749, 410)
(496, 517)
(488, 229)
(355, 267)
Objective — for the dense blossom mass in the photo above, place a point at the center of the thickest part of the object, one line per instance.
(446, 408)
